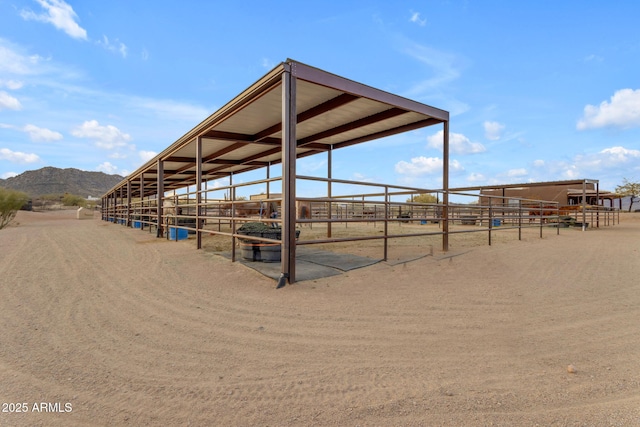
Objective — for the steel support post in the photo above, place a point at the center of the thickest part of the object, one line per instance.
(445, 187)
(288, 259)
(232, 198)
(490, 218)
(329, 185)
(387, 199)
(598, 204)
(128, 221)
(159, 197)
(584, 204)
(121, 216)
(140, 209)
(198, 191)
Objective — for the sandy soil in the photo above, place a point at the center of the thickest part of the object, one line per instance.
(107, 325)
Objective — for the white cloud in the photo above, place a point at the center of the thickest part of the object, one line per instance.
(108, 137)
(425, 166)
(613, 157)
(571, 172)
(617, 155)
(107, 168)
(608, 161)
(111, 169)
(419, 166)
(168, 109)
(442, 65)
(476, 177)
(41, 134)
(145, 156)
(222, 182)
(116, 46)
(17, 156)
(268, 64)
(458, 143)
(15, 61)
(415, 18)
(493, 130)
(357, 176)
(11, 84)
(8, 175)
(60, 15)
(622, 111)
(8, 102)
(12, 62)
(514, 173)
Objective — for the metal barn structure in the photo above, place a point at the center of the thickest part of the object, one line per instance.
(293, 111)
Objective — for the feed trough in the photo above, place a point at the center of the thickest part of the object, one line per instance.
(258, 250)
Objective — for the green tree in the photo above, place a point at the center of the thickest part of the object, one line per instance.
(423, 198)
(629, 188)
(10, 202)
(72, 200)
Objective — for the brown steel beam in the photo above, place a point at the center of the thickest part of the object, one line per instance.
(365, 121)
(389, 132)
(312, 112)
(178, 159)
(223, 151)
(240, 138)
(321, 77)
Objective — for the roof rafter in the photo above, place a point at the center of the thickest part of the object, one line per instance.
(365, 121)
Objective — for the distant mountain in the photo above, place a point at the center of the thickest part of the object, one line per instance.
(50, 180)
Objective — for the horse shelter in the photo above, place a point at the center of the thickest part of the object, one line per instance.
(198, 185)
(293, 111)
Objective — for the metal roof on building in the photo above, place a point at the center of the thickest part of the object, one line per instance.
(246, 133)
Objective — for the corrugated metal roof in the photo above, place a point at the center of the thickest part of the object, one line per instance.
(245, 134)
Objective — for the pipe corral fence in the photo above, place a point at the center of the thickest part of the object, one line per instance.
(293, 112)
(349, 211)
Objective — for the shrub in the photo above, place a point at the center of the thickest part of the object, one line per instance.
(73, 200)
(10, 202)
(423, 198)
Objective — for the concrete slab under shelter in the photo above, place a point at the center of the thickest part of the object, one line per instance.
(311, 264)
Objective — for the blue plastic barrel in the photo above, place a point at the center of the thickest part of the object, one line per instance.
(182, 233)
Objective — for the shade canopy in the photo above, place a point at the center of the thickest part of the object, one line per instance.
(245, 134)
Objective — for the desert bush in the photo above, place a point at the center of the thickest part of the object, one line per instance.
(10, 202)
(73, 200)
(423, 198)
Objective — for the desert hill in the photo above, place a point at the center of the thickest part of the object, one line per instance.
(51, 180)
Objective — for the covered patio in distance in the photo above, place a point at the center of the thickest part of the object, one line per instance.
(294, 111)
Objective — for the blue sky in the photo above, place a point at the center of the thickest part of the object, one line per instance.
(537, 90)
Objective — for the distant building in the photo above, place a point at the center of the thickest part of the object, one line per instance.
(565, 193)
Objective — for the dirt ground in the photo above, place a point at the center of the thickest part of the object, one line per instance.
(106, 325)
